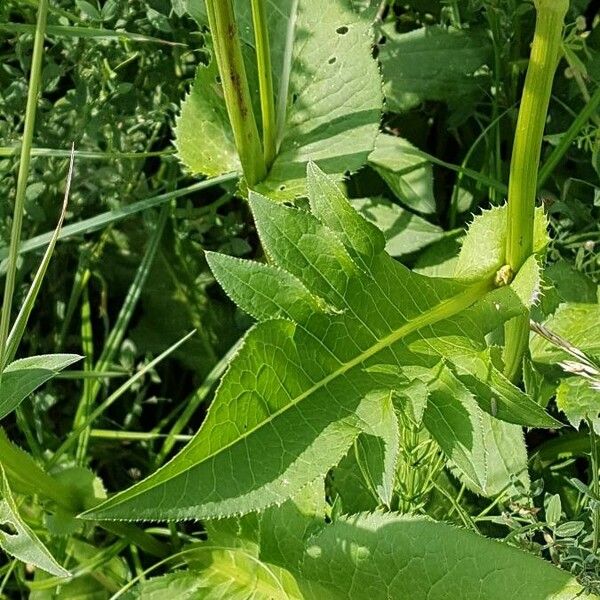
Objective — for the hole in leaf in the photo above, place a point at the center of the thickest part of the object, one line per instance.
(218, 79)
(282, 188)
(332, 60)
(8, 529)
(343, 30)
(294, 98)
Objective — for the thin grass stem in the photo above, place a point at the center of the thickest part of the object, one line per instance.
(25, 158)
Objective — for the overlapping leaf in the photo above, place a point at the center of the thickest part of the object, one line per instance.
(404, 231)
(380, 556)
(340, 321)
(328, 96)
(367, 555)
(17, 538)
(408, 174)
(24, 376)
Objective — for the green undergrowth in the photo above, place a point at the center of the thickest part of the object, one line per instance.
(292, 308)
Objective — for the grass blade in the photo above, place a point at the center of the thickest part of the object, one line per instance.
(30, 113)
(112, 216)
(18, 328)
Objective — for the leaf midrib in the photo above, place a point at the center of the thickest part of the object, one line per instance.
(444, 310)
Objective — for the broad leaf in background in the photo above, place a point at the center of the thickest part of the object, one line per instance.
(408, 174)
(576, 397)
(404, 231)
(339, 321)
(328, 97)
(24, 376)
(440, 258)
(381, 556)
(368, 555)
(18, 540)
(433, 63)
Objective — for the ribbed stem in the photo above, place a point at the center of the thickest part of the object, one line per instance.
(228, 53)
(526, 159)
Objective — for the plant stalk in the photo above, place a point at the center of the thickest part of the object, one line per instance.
(595, 485)
(19, 209)
(525, 161)
(228, 54)
(265, 80)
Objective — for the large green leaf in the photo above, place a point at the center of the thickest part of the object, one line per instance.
(381, 556)
(368, 555)
(24, 376)
(433, 63)
(18, 539)
(328, 97)
(340, 323)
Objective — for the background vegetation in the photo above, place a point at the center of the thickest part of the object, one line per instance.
(129, 278)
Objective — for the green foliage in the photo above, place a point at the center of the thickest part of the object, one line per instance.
(332, 342)
(358, 556)
(579, 324)
(404, 231)
(315, 50)
(426, 427)
(433, 63)
(362, 556)
(404, 169)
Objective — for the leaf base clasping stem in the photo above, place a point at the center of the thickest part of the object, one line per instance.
(525, 161)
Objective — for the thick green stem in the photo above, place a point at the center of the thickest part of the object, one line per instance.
(526, 159)
(265, 80)
(595, 484)
(228, 53)
(17, 225)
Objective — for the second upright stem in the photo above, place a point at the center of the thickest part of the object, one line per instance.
(526, 159)
(265, 79)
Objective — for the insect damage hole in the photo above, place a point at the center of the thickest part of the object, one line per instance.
(8, 529)
(343, 30)
(332, 60)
